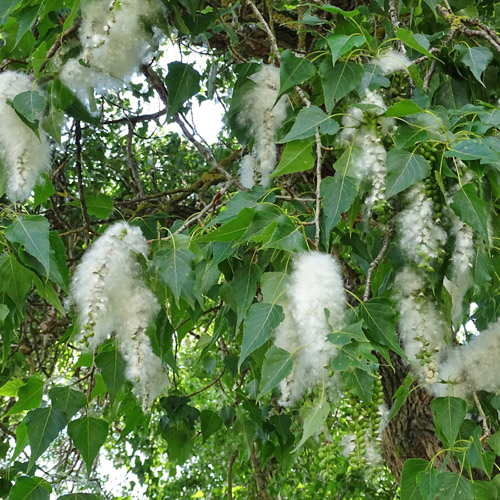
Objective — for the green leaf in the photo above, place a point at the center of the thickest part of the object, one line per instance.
(67, 400)
(313, 417)
(472, 149)
(400, 396)
(10, 388)
(29, 396)
(99, 205)
(284, 234)
(404, 107)
(32, 232)
(408, 38)
(403, 170)
(232, 230)
(43, 190)
(210, 423)
(278, 364)
(175, 262)
(449, 415)
(485, 491)
(243, 287)
(338, 193)
(475, 58)
(454, 487)
(15, 279)
(379, 317)
(112, 367)
(341, 44)
(494, 442)
(273, 285)
(427, 483)
(88, 435)
(476, 456)
(30, 488)
(21, 439)
(6, 7)
(296, 157)
(261, 320)
(471, 209)
(294, 71)
(43, 425)
(306, 123)
(183, 82)
(339, 80)
(409, 487)
(30, 105)
(359, 381)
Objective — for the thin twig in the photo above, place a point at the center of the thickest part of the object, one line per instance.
(162, 91)
(486, 429)
(267, 29)
(209, 385)
(385, 245)
(137, 119)
(393, 14)
(199, 215)
(230, 475)
(318, 186)
(81, 191)
(132, 163)
(428, 75)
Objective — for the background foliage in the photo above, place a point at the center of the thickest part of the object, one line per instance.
(220, 432)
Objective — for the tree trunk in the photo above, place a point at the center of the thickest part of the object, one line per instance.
(411, 433)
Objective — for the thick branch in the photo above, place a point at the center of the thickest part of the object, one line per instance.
(57, 44)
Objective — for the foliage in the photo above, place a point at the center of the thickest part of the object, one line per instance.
(381, 120)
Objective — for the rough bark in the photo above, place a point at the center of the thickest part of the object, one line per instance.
(411, 433)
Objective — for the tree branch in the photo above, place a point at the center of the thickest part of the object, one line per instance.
(318, 186)
(267, 29)
(57, 44)
(230, 475)
(81, 191)
(132, 163)
(389, 231)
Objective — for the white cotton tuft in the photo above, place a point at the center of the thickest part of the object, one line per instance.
(421, 237)
(248, 166)
(264, 116)
(391, 61)
(472, 366)
(112, 299)
(24, 155)
(316, 284)
(460, 278)
(422, 329)
(114, 44)
(369, 156)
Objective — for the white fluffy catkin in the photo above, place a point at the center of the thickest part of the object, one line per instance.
(421, 238)
(24, 155)
(391, 61)
(316, 284)
(248, 166)
(112, 299)
(264, 116)
(421, 327)
(114, 45)
(472, 366)
(369, 156)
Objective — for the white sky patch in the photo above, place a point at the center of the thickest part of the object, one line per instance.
(206, 117)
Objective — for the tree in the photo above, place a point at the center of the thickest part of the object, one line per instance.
(272, 315)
